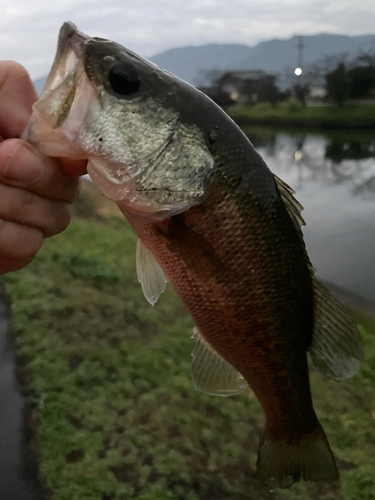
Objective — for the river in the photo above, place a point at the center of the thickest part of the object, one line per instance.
(333, 175)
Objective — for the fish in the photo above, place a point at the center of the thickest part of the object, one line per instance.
(218, 225)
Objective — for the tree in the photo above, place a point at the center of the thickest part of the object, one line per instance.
(361, 80)
(301, 91)
(337, 84)
(313, 75)
(208, 83)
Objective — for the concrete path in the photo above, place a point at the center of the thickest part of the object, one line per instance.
(18, 471)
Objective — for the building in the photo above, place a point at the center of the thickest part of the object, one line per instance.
(245, 85)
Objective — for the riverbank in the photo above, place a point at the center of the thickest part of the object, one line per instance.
(293, 114)
(107, 382)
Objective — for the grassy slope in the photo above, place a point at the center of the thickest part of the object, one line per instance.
(294, 111)
(114, 410)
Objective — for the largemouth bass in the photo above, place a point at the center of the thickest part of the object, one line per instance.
(218, 225)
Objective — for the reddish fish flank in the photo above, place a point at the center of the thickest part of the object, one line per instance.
(225, 284)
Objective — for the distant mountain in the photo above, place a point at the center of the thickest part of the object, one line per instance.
(189, 62)
(272, 56)
(39, 84)
(275, 55)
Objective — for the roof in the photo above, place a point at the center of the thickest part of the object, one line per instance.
(252, 74)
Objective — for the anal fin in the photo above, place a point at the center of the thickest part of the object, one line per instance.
(150, 274)
(211, 373)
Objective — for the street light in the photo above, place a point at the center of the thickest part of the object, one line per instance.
(298, 71)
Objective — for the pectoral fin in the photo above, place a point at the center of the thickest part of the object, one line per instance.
(336, 348)
(211, 373)
(150, 274)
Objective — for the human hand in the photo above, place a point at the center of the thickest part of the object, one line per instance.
(35, 191)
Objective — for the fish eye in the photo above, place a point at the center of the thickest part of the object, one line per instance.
(123, 79)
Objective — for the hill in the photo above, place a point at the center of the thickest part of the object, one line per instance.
(272, 56)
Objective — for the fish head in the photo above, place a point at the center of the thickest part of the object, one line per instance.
(129, 119)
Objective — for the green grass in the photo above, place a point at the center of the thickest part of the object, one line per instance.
(290, 111)
(114, 412)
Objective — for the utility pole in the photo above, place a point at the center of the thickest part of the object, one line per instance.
(300, 52)
(299, 90)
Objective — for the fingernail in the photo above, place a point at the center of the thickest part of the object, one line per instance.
(20, 164)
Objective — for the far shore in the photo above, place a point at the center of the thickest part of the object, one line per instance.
(293, 114)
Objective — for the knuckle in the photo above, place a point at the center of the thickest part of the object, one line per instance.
(31, 241)
(19, 243)
(61, 220)
(19, 204)
(15, 202)
(25, 200)
(35, 242)
(64, 219)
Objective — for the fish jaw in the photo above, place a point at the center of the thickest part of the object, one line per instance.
(59, 114)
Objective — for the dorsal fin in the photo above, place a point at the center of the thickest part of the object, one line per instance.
(293, 206)
(336, 347)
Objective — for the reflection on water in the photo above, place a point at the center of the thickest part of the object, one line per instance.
(334, 179)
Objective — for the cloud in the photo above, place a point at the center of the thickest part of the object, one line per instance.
(28, 30)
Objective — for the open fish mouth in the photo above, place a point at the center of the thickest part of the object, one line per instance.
(69, 55)
(55, 122)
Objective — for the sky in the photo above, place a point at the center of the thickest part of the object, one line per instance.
(29, 28)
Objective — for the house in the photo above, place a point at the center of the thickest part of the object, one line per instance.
(245, 85)
(317, 93)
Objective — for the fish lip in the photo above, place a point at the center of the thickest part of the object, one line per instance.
(70, 37)
(71, 41)
(67, 70)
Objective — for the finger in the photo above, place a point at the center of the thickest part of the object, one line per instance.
(19, 245)
(22, 166)
(17, 95)
(23, 207)
(73, 168)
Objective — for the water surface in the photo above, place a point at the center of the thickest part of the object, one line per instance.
(334, 179)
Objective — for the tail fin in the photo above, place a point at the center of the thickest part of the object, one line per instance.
(282, 463)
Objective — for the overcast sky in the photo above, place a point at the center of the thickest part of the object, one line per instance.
(29, 28)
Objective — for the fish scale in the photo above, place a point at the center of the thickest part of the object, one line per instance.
(262, 314)
(218, 225)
